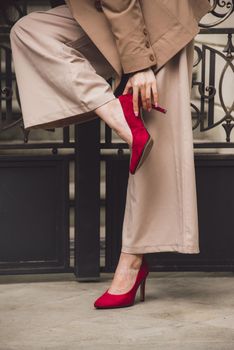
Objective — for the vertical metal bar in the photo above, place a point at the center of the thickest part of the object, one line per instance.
(8, 84)
(66, 135)
(1, 99)
(116, 188)
(87, 200)
(108, 135)
(202, 123)
(211, 84)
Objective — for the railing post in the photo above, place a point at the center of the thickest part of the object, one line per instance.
(87, 200)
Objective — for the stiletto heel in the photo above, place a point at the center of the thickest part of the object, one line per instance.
(158, 108)
(142, 290)
(109, 301)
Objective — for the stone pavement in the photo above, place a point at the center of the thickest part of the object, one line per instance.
(182, 310)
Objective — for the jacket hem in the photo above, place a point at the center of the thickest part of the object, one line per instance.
(132, 63)
(166, 50)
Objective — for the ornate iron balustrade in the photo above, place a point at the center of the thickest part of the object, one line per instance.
(216, 11)
(221, 10)
(202, 120)
(208, 92)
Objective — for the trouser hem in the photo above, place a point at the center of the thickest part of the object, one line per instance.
(161, 248)
(68, 116)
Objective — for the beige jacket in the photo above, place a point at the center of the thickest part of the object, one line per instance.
(137, 34)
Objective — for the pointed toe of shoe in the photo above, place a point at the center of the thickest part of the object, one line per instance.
(101, 302)
(109, 301)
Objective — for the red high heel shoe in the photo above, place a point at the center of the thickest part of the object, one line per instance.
(142, 141)
(109, 301)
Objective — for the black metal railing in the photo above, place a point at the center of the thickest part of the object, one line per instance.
(221, 11)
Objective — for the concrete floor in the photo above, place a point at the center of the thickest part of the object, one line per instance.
(182, 310)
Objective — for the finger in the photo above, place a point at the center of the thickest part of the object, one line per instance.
(155, 93)
(135, 100)
(127, 88)
(143, 95)
(148, 97)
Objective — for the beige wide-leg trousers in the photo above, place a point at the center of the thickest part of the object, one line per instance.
(61, 76)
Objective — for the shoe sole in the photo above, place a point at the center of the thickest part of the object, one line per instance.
(113, 307)
(145, 153)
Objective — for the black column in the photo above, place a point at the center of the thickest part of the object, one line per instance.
(87, 200)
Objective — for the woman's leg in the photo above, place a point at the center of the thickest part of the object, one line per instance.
(58, 86)
(161, 202)
(112, 114)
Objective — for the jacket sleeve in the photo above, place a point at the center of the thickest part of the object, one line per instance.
(131, 35)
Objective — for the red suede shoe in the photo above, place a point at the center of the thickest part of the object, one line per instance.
(142, 141)
(110, 301)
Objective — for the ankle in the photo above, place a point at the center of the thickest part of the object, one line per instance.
(133, 261)
(127, 137)
(112, 114)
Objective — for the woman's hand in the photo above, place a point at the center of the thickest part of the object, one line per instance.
(143, 82)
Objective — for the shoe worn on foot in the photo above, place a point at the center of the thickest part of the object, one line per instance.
(109, 301)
